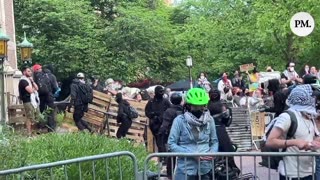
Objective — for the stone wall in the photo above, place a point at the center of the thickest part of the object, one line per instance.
(8, 25)
(12, 74)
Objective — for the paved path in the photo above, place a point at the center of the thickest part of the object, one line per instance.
(261, 172)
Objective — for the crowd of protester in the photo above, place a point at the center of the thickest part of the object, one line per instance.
(195, 121)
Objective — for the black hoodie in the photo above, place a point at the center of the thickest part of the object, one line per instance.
(279, 98)
(74, 91)
(123, 110)
(168, 116)
(52, 79)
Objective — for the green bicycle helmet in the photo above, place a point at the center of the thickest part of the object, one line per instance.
(197, 96)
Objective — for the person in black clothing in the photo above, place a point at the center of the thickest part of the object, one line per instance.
(53, 81)
(154, 110)
(238, 81)
(168, 116)
(219, 111)
(79, 107)
(46, 90)
(96, 84)
(279, 98)
(122, 117)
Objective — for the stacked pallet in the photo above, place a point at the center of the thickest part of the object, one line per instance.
(139, 128)
(16, 114)
(97, 111)
(102, 113)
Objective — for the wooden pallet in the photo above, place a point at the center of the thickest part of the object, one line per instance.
(139, 130)
(96, 116)
(16, 114)
(102, 113)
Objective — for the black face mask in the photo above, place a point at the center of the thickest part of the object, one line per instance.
(158, 96)
(197, 113)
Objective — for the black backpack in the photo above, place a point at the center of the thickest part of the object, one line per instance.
(43, 82)
(132, 113)
(274, 160)
(85, 93)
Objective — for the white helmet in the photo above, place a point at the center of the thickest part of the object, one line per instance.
(80, 75)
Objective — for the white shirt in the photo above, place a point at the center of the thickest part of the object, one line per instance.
(130, 92)
(306, 131)
(34, 97)
(221, 86)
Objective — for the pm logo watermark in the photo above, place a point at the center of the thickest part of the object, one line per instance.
(302, 24)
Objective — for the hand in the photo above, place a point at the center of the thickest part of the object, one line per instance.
(314, 145)
(31, 79)
(302, 144)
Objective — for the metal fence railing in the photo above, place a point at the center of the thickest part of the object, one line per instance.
(247, 162)
(105, 166)
(116, 166)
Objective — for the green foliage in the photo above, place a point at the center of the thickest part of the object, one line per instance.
(135, 39)
(55, 147)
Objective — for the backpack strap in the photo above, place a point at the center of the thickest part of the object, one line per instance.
(293, 126)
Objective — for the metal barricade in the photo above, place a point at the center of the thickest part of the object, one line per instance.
(99, 165)
(247, 162)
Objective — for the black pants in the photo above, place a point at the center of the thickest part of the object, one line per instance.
(170, 161)
(77, 117)
(124, 128)
(225, 144)
(154, 127)
(302, 178)
(47, 105)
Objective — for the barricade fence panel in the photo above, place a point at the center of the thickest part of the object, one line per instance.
(220, 168)
(118, 165)
(240, 129)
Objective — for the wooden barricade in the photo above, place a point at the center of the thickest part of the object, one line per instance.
(139, 131)
(97, 111)
(16, 114)
(102, 113)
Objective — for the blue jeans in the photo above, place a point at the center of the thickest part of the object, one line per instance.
(318, 167)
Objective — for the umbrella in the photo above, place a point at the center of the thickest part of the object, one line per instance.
(182, 85)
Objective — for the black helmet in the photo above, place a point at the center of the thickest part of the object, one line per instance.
(176, 98)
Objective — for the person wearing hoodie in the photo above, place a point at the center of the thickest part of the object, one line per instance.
(279, 98)
(194, 132)
(168, 116)
(222, 118)
(122, 117)
(46, 89)
(48, 70)
(154, 110)
(76, 101)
